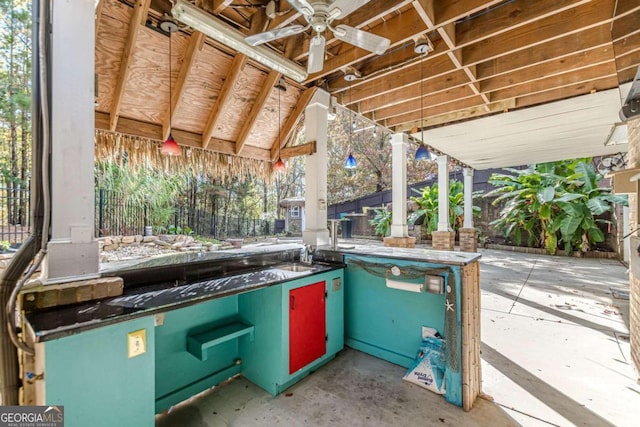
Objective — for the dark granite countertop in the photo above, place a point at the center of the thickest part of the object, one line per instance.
(410, 254)
(62, 321)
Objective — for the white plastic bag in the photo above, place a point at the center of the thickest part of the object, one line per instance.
(427, 370)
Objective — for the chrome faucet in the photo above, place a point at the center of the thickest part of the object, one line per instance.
(306, 254)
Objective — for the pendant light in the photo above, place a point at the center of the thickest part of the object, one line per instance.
(279, 165)
(422, 47)
(170, 147)
(350, 162)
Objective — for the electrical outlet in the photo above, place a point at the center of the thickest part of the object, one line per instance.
(336, 284)
(137, 343)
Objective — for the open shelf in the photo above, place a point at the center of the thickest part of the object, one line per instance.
(198, 344)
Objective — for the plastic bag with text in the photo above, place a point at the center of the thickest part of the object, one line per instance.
(427, 370)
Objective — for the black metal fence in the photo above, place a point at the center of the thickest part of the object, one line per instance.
(116, 215)
(14, 214)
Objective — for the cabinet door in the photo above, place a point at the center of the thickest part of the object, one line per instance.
(307, 325)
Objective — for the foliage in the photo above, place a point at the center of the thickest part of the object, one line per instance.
(372, 151)
(382, 222)
(4, 245)
(553, 204)
(427, 212)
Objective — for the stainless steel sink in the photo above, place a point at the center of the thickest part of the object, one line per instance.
(295, 267)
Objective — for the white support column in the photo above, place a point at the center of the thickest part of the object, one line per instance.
(468, 198)
(316, 232)
(73, 250)
(443, 193)
(399, 143)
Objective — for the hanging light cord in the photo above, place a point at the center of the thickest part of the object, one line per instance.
(279, 126)
(170, 94)
(422, 99)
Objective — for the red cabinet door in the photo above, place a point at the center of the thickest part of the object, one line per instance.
(307, 325)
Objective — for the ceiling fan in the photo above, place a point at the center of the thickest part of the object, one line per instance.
(319, 15)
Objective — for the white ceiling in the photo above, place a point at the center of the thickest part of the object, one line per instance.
(575, 127)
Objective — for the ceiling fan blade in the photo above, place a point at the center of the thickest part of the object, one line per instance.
(261, 38)
(362, 39)
(341, 8)
(302, 6)
(316, 54)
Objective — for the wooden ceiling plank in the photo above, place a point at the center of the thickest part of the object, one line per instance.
(283, 20)
(626, 7)
(133, 127)
(625, 25)
(426, 10)
(429, 100)
(565, 64)
(196, 42)
(453, 10)
(293, 119)
(508, 17)
(219, 5)
(138, 18)
(462, 114)
(223, 98)
(398, 29)
(627, 45)
(414, 117)
(257, 107)
(584, 75)
(388, 65)
(567, 91)
(556, 26)
(553, 50)
(380, 87)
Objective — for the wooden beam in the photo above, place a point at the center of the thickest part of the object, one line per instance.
(448, 11)
(298, 150)
(196, 41)
(595, 72)
(293, 120)
(426, 10)
(430, 100)
(138, 18)
(563, 65)
(599, 36)
(568, 91)
(220, 5)
(223, 98)
(556, 26)
(133, 127)
(257, 107)
(626, 25)
(508, 17)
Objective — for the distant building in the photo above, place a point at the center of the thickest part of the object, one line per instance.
(294, 218)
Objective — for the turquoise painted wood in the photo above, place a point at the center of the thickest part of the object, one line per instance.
(266, 359)
(198, 344)
(99, 385)
(179, 374)
(387, 323)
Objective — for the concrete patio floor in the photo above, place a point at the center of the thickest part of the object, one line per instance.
(555, 352)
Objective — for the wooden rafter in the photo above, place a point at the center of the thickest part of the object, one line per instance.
(292, 120)
(256, 109)
(196, 42)
(138, 19)
(225, 95)
(298, 150)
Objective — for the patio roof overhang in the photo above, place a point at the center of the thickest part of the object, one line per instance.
(490, 57)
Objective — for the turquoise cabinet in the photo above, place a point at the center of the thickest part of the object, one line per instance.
(92, 375)
(266, 360)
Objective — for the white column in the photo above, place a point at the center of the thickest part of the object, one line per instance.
(73, 250)
(468, 198)
(316, 232)
(399, 143)
(443, 193)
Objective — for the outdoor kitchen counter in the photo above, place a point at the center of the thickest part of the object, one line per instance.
(409, 254)
(171, 294)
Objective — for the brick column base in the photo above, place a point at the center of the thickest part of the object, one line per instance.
(400, 242)
(468, 240)
(443, 240)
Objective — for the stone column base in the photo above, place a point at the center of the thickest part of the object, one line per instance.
(443, 240)
(400, 242)
(468, 240)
